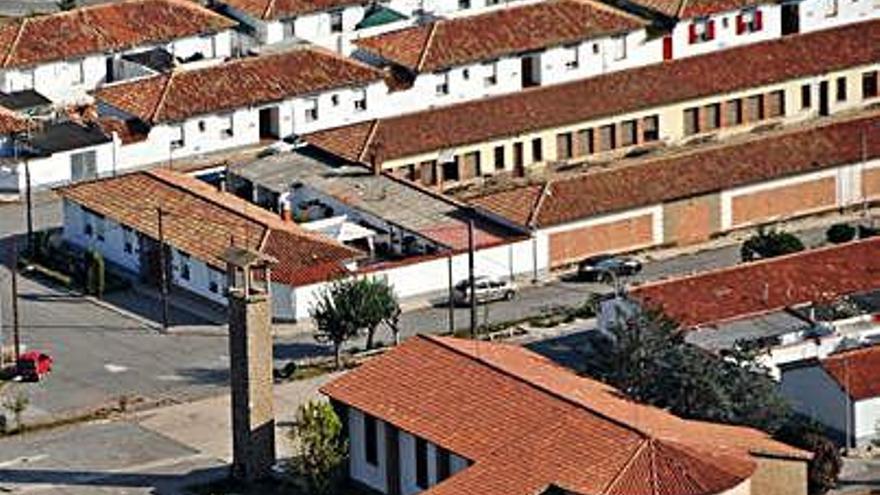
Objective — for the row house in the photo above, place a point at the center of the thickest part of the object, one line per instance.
(192, 112)
(120, 217)
(520, 47)
(67, 54)
(440, 415)
(634, 111)
(696, 194)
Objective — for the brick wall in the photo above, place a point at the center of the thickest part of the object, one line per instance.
(573, 245)
(691, 220)
(779, 477)
(784, 201)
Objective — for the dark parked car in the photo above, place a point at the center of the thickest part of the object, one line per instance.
(597, 268)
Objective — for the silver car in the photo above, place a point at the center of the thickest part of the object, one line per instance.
(487, 289)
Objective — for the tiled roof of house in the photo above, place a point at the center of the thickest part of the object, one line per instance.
(856, 371)
(203, 222)
(280, 9)
(527, 423)
(11, 122)
(691, 172)
(103, 28)
(606, 95)
(751, 289)
(686, 9)
(237, 84)
(448, 43)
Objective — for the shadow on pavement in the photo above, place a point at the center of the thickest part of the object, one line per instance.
(204, 376)
(161, 484)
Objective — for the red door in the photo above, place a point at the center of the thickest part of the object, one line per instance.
(667, 48)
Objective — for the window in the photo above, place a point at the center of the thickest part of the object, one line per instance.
(466, 74)
(869, 85)
(595, 48)
(334, 100)
(628, 133)
(227, 126)
(830, 8)
(499, 158)
(806, 96)
(360, 100)
(755, 108)
(450, 171)
(749, 21)
(472, 165)
(421, 463)
(127, 239)
(443, 84)
(734, 112)
(570, 55)
(537, 150)
(289, 27)
(177, 140)
(619, 47)
(184, 266)
(79, 74)
(776, 104)
(202, 126)
(442, 464)
(691, 121)
(491, 71)
(564, 146)
(83, 166)
(100, 226)
(311, 109)
(651, 128)
(336, 21)
(464, 4)
(701, 30)
(584, 144)
(607, 137)
(712, 116)
(371, 449)
(214, 278)
(841, 89)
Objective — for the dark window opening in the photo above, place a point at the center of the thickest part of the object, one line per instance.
(371, 449)
(421, 463)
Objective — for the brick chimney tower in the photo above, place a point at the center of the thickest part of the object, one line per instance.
(250, 353)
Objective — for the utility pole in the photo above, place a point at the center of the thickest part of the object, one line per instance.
(30, 208)
(16, 338)
(451, 300)
(163, 276)
(471, 281)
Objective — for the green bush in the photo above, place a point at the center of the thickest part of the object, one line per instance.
(840, 233)
(865, 231)
(95, 273)
(770, 243)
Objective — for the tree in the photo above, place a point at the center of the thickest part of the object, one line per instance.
(770, 243)
(840, 233)
(333, 313)
(826, 462)
(319, 447)
(17, 404)
(378, 305)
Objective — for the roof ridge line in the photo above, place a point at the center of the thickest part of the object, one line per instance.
(14, 44)
(539, 202)
(542, 388)
(368, 141)
(267, 12)
(429, 40)
(162, 96)
(629, 462)
(681, 8)
(611, 9)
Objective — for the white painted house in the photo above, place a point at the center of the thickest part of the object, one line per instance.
(842, 392)
(439, 415)
(193, 112)
(522, 46)
(67, 54)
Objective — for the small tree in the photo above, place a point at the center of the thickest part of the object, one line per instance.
(770, 243)
(840, 233)
(377, 305)
(17, 404)
(95, 273)
(320, 449)
(333, 313)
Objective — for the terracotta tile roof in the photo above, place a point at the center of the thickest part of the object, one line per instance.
(129, 131)
(103, 28)
(686, 9)
(742, 291)
(692, 172)
(856, 371)
(610, 94)
(527, 423)
(11, 122)
(280, 9)
(237, 84)
(448, 43)
(202, 221)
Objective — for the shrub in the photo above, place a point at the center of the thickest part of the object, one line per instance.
(840, 233)
(95, 273)
(770, 243)
(865, 231)
(320, 447)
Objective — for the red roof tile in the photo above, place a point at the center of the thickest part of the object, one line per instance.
(280, 9)
(818, 275)
(527, 423)
(237, 84)
(686, 9)
(689, 173)
(620, 92)
(11, 122)
(448, 43)
(203, 222)
(856, 371)
(103, 28)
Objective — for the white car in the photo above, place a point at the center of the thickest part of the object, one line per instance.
(487, 289)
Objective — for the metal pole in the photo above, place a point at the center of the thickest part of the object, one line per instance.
(163, 287)
(30, 209)
(451, 300)
(471, 284)
(15, 330)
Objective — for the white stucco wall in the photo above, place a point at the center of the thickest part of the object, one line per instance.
(867, 420)
(814, 14)
(112, 246)
(200, 277)
(725, 32)
(56, 169)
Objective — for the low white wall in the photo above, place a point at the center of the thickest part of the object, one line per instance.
(867, 420)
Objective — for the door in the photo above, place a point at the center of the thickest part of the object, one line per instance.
(269, 123)
(791, 21)
(823, 98)
(667, 47)
(518, 160)
(530, 71)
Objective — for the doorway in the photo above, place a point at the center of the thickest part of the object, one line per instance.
(518, 160)
(823, 99)
(269, 123)
(667, 47)
(530, 70)
(791, 21)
